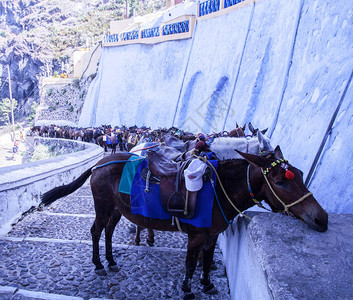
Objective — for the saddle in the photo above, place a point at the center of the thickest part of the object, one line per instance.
(176, 199)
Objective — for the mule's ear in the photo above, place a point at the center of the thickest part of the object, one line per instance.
(251, 128)
(253, 159)
(244, 127)
(264, 131)
(264, 142)
(278, 153)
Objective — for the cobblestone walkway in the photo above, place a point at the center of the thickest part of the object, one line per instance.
(47, 255)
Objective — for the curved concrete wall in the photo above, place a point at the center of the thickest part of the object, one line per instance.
(22, 185)
(286, 65)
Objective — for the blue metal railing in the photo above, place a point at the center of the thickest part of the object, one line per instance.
(111, 38)
(208, 7)
(149, 32)
(228, 3)
(128, 36)
(176, 28)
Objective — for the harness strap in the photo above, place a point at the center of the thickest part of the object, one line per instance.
(258, 203)
(286, 206)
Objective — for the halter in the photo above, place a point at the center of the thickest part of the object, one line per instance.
(264, 173)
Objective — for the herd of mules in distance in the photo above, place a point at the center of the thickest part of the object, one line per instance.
(260, 175)
(124, 137)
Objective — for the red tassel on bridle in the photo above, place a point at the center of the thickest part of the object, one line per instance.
(289, 175)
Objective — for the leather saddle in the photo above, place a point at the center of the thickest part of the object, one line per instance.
(176, 199)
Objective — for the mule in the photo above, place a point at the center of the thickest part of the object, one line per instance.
(265, 176)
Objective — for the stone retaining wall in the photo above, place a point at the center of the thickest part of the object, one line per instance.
(61, 101)
(278, 257)
(22, 185)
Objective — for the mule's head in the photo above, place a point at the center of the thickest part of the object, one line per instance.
(283, 189)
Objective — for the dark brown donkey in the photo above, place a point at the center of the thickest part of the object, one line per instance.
(270, 178)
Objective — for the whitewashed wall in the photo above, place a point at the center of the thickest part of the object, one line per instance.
(281, 64)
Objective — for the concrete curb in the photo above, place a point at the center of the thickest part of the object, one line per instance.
(22, 185)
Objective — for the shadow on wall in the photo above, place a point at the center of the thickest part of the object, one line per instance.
(259, 82)
(210, 111)
(217, 107)
(184, 118)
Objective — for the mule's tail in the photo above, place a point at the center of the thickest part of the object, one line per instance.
(64, 190)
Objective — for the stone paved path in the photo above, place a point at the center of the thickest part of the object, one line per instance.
(47, 255)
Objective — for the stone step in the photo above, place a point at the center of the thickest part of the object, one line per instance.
(66, 269)
(47, 255)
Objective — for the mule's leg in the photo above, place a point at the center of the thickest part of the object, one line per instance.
(150, 239)
(194, 247)
(96, 231)
(109, 229)
(137, 235)
(207, 259)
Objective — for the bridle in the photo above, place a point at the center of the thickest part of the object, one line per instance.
(264, 173)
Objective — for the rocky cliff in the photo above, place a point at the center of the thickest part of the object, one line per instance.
(38, 37)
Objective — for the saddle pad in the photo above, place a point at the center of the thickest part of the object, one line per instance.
(128, 174)
(111, 140)
(149, 204)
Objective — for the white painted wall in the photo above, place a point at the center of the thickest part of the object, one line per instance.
(280, 64)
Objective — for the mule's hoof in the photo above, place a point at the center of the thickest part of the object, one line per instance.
(149, 243)
(100, 272)
(132, 228)
(214, 266)
(114, 268)
(188, 296)
(210, 289)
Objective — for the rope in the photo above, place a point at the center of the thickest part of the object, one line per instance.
(147, 189)
(178, 224)
(286, 206)
(204, 159)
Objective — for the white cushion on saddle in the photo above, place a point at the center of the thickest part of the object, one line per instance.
(193, 175)
(224, 147)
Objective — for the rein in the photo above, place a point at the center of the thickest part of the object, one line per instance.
(264, 173)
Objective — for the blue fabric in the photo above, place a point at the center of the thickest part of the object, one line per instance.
(128, 174)
(109, 140)
(149, 204)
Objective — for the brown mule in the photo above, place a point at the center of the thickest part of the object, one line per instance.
(270, 178)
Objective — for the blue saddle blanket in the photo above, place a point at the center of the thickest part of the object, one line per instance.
(111, 140)
(149, 204)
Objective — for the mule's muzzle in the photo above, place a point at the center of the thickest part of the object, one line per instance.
(317, 222)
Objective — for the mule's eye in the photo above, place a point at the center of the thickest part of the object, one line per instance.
(279, 182)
